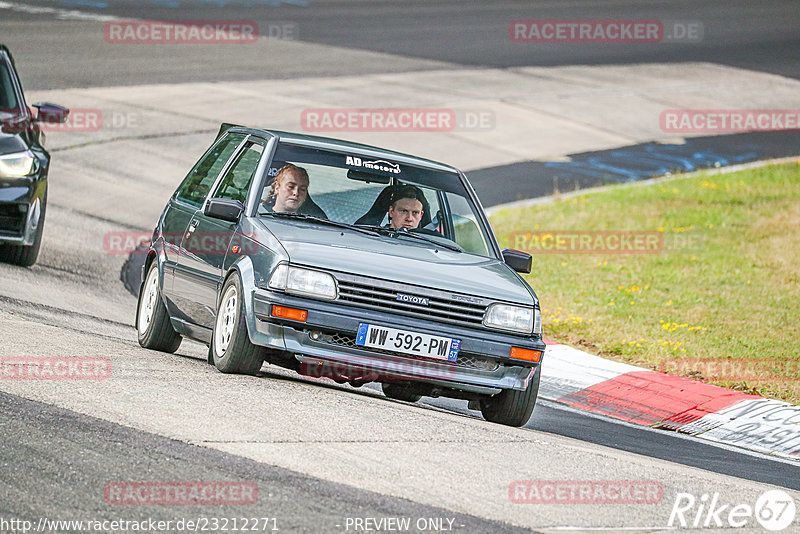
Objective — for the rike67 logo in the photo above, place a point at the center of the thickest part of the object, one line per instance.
(774, 510)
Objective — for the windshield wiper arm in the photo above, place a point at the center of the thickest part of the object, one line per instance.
(304, 217)
(403, 231)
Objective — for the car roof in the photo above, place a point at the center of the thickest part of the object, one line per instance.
(344, 146)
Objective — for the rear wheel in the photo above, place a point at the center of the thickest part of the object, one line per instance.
(399, 392)
(512, 407)
(231, 349)
(152, 320)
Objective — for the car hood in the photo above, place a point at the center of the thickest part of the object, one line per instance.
(400, 259)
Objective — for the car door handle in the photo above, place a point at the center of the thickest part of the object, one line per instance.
(193, 225)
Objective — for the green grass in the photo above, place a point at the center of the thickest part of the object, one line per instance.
(719, 303)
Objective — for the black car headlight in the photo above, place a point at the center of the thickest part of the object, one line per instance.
(305, 282)
(18, 164)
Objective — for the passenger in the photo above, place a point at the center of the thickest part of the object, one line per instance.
(405, 210)
(289, 189)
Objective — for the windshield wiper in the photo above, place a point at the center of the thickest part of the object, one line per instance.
(303, 217)
(405, 232)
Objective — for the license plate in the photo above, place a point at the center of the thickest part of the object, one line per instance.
(406, 342)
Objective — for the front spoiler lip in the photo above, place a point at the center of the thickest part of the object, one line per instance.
(20, 191)
(328, 317)
(28, 234)
(354, 363)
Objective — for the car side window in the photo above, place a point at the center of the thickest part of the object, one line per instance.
(467, 232)
(237, 180)
(198, 183)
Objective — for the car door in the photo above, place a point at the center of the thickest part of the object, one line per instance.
(185, 202)
(200, 270)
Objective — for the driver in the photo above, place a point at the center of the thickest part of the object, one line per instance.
(289, 189)
(405, 209)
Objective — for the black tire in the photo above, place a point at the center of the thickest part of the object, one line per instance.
(231, 349)
(399, 392)
(26, 255)
(512, 407)
(152, 320)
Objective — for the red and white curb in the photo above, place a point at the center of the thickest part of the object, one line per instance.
(587, 382)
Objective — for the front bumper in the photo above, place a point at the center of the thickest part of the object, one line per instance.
(20, 210)
(325, 343)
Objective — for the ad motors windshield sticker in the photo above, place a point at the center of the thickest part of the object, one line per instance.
(375, 165)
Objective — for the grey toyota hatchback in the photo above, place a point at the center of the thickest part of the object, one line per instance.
(343, 261)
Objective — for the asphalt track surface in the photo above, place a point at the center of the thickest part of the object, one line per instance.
(61, 461)
(760, 36)
(62, 457)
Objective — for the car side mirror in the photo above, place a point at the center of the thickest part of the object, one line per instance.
(224, 209)
(51, 113)
(517, 260)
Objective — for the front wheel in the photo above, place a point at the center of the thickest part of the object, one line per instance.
(231, 349)
(512, 407)
(152, 320)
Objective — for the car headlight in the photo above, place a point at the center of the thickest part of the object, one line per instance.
(302, 281)
(18, 164)
(510, 317)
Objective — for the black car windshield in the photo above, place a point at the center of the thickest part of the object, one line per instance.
(8, 96)
(375, 194)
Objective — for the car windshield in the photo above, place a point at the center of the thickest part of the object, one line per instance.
(392, 200)
(8, 97)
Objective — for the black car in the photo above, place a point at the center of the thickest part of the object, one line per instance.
(343, 286)
(23, 167)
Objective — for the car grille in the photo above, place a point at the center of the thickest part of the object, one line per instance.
(382, 295)
(11, 218)
(468, 360)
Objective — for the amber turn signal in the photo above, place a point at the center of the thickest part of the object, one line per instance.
(289, 313)
(525, 354)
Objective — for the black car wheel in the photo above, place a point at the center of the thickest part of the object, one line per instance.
(399, 392)
(231, 349)
(512, 407)
(152, 320)
(26, 255)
